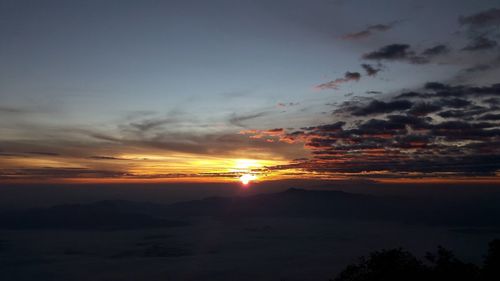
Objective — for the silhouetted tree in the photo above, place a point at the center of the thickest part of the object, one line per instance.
(445, 266)
(491, 267)
(386, 265)
(397, 265)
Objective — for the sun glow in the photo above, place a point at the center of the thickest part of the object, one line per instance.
(246, 178)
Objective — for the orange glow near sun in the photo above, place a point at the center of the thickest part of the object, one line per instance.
(246, 178)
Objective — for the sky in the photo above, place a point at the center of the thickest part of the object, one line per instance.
(209, 91)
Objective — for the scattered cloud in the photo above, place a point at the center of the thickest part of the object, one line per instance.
(370, 69)
(437, 50)
(440, 130)
(369, 31)
(482, 19)
(481, 28)
(404, 53)
(378, 107)
(334, 84)
(287, 104)
(394, 52)
(480, 43)
(237, 119)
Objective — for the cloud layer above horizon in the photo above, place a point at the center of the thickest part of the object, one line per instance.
(196, 94)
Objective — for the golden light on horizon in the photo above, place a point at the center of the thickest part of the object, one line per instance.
(145, 166)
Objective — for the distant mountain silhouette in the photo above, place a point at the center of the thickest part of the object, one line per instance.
(290, 203)
(104, 215)
(342, 205)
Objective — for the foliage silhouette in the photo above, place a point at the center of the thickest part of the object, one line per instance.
(491, 267)
(398, 264)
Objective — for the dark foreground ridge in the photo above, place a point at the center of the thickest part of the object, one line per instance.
(290, 203)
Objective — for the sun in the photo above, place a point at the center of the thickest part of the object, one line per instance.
(246, 178)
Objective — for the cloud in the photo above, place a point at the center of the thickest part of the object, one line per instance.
(59, 172)
(150, 124)
(436, 50)
(440, 130)
(378, 107)
(424, 108)
(4, 109)
(482, 19)
(238, 120)
(480, 43)
(368, 31)
(105, 158)
(334, 84)
(395, 52)
(436, 89)
(404, 53)
(270, 136)
(285, 104)
(490, 117)
(477, 68)
(43, 153)
(481, 28)
(370, 69)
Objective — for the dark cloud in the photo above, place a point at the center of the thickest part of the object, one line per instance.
(352, 75)
(480, 43)
(287, 104)
(482, 27)
(334, 84)
(150, 124)
(4, 109)
(373, 92)
(482, 19)
(450, 133)
(59, 172)
(238, 120)
(455, 102)
(411, 95)
(490, 117)
(370, 69)
(493, 101)
(29, 153)
(436, 89)
(105, 158)
(464, 114)
(404, 53)
(396, 52)
(381, 126)
(424, 108)
(436, 86)
(368, 31)
(378, 107)
(389, 52)
(436, 50)
(327, 128)
(477, 68)
(43, 153)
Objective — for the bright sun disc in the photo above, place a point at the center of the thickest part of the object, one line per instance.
(246, 178)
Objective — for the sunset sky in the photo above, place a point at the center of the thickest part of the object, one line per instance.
(209, 91)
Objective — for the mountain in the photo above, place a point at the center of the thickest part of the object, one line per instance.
(103, 215)
(111, 215)
(342, 205)
(292, 202)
